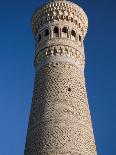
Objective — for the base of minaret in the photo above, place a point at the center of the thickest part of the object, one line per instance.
(60, 122)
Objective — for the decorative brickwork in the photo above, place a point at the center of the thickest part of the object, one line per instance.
(60, 121)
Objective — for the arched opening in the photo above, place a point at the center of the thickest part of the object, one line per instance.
(56, 31)
(46, 34)
(79, 38)
(65, 32)
(73, 35)
(39, 37)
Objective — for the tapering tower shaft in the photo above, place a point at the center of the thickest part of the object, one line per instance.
(60, 122)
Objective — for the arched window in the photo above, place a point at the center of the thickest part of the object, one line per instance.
(73, 35)
(56, 31)
(46, 34)
(65, 32)
(79, 38)
(67, 18)
(39, 37)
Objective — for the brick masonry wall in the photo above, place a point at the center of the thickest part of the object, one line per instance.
(60, 121)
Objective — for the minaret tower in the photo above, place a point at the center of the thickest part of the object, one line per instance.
(60, 121)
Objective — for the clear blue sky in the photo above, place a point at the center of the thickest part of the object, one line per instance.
(17, 72)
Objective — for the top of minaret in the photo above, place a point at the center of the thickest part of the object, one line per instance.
(56, 0)
(63, 11)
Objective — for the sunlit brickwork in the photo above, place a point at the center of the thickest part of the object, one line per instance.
(60, 121)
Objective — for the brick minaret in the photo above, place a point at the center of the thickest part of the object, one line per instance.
(60, 122)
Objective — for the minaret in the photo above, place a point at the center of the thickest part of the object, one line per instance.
(60, 121)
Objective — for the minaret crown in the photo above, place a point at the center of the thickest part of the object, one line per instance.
(57, 22)
(56, 10)
(56, 0)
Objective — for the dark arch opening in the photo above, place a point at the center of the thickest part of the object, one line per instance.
(46, 32)
(56, 31)
(39, 38)
(73, 33)
(79, 38)
(65, 30)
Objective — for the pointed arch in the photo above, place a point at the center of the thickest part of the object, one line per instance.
(56, 31)
(73, 35)
(65, 32)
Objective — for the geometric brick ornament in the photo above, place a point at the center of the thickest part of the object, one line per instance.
(60, 121)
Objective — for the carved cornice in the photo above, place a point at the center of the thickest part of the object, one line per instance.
(64, 42)
(60, 51)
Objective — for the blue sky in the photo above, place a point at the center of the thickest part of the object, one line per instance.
(17, 72)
